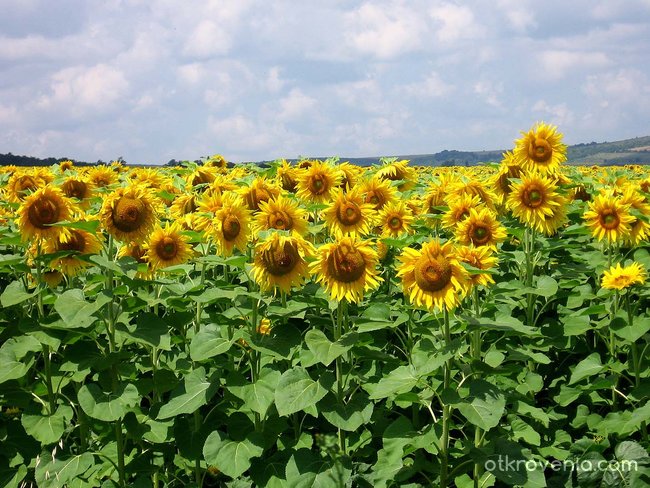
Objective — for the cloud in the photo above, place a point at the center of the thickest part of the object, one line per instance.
(431, 86)
(296, 104)
(557, 64)
(455, 22)
(207, 39)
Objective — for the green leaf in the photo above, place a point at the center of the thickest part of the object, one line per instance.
(15, 293)
(108, 407)
(208, 343)
(75, 311)
(47, 429)
(296, 391)
(484, 406)
(195, 392)
(326, 351)
(230, 457)
(630, 333)
(12, 478)
(12, 354)
(546, 286)
(258, 396)
(521, 430)
(589, 366)
(60, 472)
(401, 380)
(348, 416)
(87, 225)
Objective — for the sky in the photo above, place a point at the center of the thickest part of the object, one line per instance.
(151, 81)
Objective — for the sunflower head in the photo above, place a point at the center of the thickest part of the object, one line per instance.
(281, 262)
(281, 213)
(395, 219)
(230, 227)
(377, 192)
(102, 176)
(480, 228)
(40, 210)
(318, 182)
(621, 278)
(260, 190)
(609, 218)
(433, 277)
(347, 268)
(348, 214)
(481, 258)
(394, 170)
(216, 161)
(541, 148)
(77, 242)
(534, 199)
(130, 213)
(21, 184)
(167, 246)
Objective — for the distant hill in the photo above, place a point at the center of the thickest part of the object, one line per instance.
(616, 153)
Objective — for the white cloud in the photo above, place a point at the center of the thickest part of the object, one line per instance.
(431, 86)
(274, 83)
(455, 22)
(208, 39)
(295, 105)
(557, 64)
(489, 92)
(560, 114)
(520, 14)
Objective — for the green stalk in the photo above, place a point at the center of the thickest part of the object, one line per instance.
(446, 411)
(476, 355)
(197, 414)
(529, 250)
(612, 347)
(339, 368)
(636, 360)
(47, 364)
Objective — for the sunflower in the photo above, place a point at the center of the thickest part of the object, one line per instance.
(509, 169)
(552, 222)
(78, 242)
(541, 148)
(280, 262)
(348, 214)
(533, 199)
(395, 219)
(102, 176)
(183, 205)
(472, 187)
(318, 182)
(20, 185)
(130, 213)
(433, 277)
(264, 327)
(79, 188)
(480, 258)
(377, 192)
(480, 228)
(65, 165)
(394, 170)
(281, 213)
(287, 176)
(216, 161)
(347, 268)
(260, 190)
(639, 228)
(609, 218)
(201, 177)
(40, 210)
(459, 209)
(619, 278)
(350, 173)
(139, 253)
(230, 227)
(167, 246)
(148, 177)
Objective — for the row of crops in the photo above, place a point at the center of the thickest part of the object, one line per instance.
(321, 324)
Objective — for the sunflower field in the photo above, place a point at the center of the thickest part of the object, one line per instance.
(319, 324)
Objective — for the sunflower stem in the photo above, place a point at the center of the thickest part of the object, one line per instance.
(636, 360)
(446, 410)
(476, 356)
(47, 364)
(339, 367)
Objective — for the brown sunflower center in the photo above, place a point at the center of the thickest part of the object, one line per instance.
(24, 185)
(432, 274)
(533, 197)
(129, 214)
(282, 260)
(318, 184)
(43, 212)
(167, 248)
(189, 206)
(348, 213)
(480, 235)
(540, 151)
(376, 199)
(609, 219)
(74, 242)
(395, 222)
(280, 220)
(230, 227)
(75, 189)
(346, 264)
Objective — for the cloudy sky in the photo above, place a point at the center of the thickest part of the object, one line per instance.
(151, 80)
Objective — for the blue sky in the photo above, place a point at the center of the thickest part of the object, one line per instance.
(258, 79)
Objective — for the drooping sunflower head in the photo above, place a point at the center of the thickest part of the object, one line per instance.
(394, 170)
(472, 187)
(480, 228)
(281, 213)
(77, 242)
(21, 184)
(102, 176)
(318, 182)
(65, 165)
(138, 252)
(40, 210)
(533, 199)
(216, 161)
(348, 214)
(395, 219)
(482, 258)
(148, 177)
(347, 268)
(281, 262)
(130, 213)
(609, 218)
(78, 188)
(378, 192)
(541, 148)
(230, 227)
(350, 174)
(287, 176)
(621, 278)
(201, 178)
(167, 246)
(260, 190)
(640, 226)
(433, 277)
(509, 169)
(184, 204)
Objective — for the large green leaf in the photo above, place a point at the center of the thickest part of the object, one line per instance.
(195, 392)
(47, 429)
(326, 351)
(149, 329)
(77, 312)
(13, 357)
(589, 366)
(484, 406)
(258, 396)
(350, 415)
(401, 380)
(208, 342)
(107, 406)
(231, 457)
(296, 391)
(61, 471)
(15, 293)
